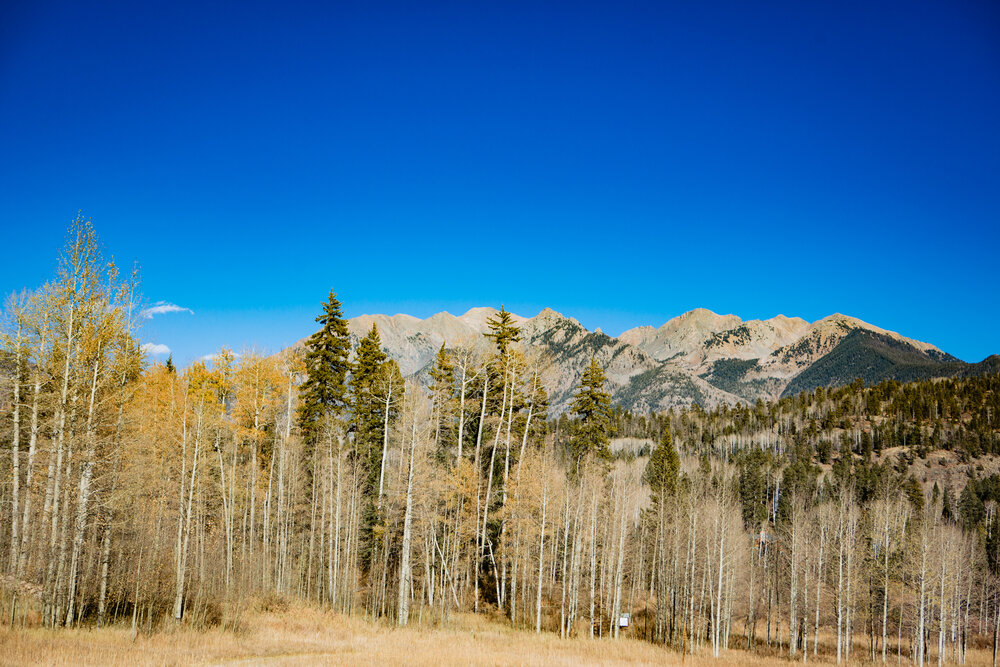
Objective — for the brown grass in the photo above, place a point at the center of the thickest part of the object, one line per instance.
(302, 635)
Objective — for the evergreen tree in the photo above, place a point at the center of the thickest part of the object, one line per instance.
(663, 468)
(914, 493)
(442, 391)
(946, 502)
(323, 394)
(503, 331)
(752, 481)
(367, 418)
(376, 392)
(170, 364)
(970, 506)
(592, 407)
(799, 481)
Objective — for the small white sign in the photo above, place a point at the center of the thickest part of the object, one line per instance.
(623, 621)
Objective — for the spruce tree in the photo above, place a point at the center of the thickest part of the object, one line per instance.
(970, 506)
(946, 503)
(376, 392)
(592, 407)
(663, 468)
(503, 331)
(365, 419)
(442, 391)
(324, 394)
(443, 373)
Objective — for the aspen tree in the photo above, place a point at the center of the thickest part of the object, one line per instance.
(39, 322)
(77, 274)
(405, 574)
(14, 338)
(541, 556)
(184, 535)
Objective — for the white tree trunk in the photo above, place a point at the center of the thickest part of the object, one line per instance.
(182, 560)
(83, 495)
(541, 559)
(403, 612)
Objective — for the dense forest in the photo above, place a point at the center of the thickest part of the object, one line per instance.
(849, 521)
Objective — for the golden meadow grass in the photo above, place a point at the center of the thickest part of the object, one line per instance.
(305, 635)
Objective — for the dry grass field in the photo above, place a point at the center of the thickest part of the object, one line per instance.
(306, 636)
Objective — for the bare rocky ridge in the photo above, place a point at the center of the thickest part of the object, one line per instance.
(698, 357)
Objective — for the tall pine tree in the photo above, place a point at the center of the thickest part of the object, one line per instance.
(663, 468)
(324, 393)
(592, 407)
(503, 331)
(376, 393)
(443, 393)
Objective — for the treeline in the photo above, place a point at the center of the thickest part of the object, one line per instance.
(147, 494)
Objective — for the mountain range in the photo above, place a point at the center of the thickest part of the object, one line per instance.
(698, 357)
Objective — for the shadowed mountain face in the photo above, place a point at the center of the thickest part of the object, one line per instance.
(697, 357)
(875, 357)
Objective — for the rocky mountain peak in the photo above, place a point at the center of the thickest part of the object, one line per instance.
(698, 356)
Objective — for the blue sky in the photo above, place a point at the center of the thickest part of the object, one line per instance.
(619, 162)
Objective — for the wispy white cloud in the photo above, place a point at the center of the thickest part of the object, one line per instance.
(163, 307)
(155, 349)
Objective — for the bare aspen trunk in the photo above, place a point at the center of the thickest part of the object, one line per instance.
(751, 618)
(819, 584)
(804, 628)
(135, 598)
(849, 624)
(252, 483)
(793, 592)
(563, 630)
(941, 611)
(282, 518)
(996, 634)
(83, 495)
(840, 586)
(923, 581)
(506, 460)
(266, 568)
(716, 626)
(593, 560)
(62, 539)
(178, 577)
(105, 563)
(182, 561)
(32, 448)
(885, 595)
(403, 612)
(619, 566)
(461, 410)
(541, 559)
(385, 440)
(337, 512)
(61, 408)
(254, 446)
(479, 440)
(227, 511)
(502, 579)
(15, 451)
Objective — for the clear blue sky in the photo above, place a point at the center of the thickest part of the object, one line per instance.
(620, 162)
